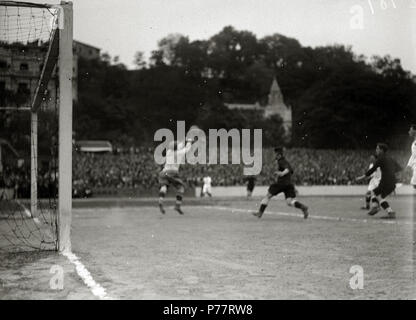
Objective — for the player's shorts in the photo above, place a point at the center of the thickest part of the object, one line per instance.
(373, 184)
(287, 189)
(384, 189)
(167, 178)
(206, 189)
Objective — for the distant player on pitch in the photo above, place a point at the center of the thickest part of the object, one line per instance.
(374, 182)
(412, 161)
(389, 168)
(175, 156)
(206, 188)
(251, 182)
(283, 184)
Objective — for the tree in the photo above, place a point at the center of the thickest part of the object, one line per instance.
(167, 47)
(139, 61)
(106, 58)
(339, 100)
(230, 51)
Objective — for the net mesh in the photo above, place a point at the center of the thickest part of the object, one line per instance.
(28, 138)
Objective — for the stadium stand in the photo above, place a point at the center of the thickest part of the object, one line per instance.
(112, 174)
(136, 169)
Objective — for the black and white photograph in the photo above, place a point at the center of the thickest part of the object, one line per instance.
(225, 152)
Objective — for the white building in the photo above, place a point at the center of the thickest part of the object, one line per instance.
(275, 105)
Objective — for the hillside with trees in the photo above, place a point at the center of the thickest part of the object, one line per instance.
(339, 99)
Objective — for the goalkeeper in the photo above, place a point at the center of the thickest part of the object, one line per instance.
(169, 176)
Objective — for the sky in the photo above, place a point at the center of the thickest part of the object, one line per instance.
(371, 27)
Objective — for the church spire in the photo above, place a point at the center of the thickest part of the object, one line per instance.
(275, 96)
(275, 87)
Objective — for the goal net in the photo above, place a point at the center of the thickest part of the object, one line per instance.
(35, 77)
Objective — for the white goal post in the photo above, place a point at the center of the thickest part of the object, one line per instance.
(59, 64)
(63, 42)
(65, 128)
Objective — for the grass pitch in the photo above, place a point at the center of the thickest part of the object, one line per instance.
(218, 250)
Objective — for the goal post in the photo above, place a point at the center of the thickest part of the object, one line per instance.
(36, 59)
(65, 127)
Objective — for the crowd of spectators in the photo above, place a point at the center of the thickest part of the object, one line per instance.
(19, 180)
(137, 169)
(130, 169)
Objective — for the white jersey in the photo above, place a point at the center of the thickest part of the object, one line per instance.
(207, 181)
(412, 163)
(412, 160)
(207, 185)
(174, 158)
(375, 178)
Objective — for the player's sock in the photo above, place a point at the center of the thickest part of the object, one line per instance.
(263, 205)
(386, 206)
(374, 202)
(178, 200)
(299, 205)
(161, 198)
(391, 214)
(262, 208)
(375, 206)
(178, 203)
(367, 199)
(302, 207)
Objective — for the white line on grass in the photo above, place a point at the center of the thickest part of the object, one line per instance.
(289, 214)
(96, 289)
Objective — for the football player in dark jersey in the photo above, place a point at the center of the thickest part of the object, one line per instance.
(283, 184)
(389, 168)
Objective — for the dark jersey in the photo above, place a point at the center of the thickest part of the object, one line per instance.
(251, 180)
(388, 168)
(282, 165)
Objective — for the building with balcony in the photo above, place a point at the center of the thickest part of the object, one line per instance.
(21, 67)
(86, 51)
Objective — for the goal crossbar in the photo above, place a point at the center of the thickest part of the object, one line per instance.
(25, 4)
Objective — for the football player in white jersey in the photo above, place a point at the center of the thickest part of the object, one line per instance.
(412, 161)
(374, 182)
(175, 156)
(206, 189)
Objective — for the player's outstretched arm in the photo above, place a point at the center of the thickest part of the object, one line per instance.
(360, 177)
(282, 173)
(184, 147)
(411, 164)
(188, 144)
(372, 169)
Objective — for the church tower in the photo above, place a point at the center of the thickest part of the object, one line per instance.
(276, 105)
(275, 95)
